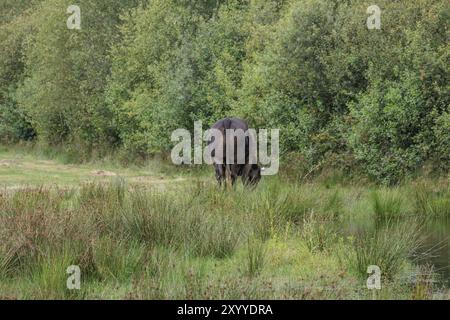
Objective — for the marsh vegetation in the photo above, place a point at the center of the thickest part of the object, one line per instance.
(186, 239)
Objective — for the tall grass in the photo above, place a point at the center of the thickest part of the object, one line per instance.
(387, 247)
(431, 200)
(110, 228)
(256, 255)
(193, 241)
(319, 232)
(49, 276)
(387, 204)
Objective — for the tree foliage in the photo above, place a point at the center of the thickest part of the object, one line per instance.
(372, 100)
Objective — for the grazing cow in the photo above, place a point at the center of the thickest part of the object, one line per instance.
(228, 172)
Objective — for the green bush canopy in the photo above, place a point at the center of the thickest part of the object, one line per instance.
(375, 100)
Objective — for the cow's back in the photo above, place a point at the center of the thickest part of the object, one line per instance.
(250, 172)
(232, 124)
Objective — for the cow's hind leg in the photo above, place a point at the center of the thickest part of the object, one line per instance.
(230, 176)
(220, 173)
(235, 171)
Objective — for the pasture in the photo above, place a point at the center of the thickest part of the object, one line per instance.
(164, 232)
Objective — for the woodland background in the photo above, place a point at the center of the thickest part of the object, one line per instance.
(369, 102)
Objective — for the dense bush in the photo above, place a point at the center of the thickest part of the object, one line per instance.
(176, 65)
(342, 95)
(66, 73)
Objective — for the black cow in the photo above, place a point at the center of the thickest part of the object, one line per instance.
(250, 173)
